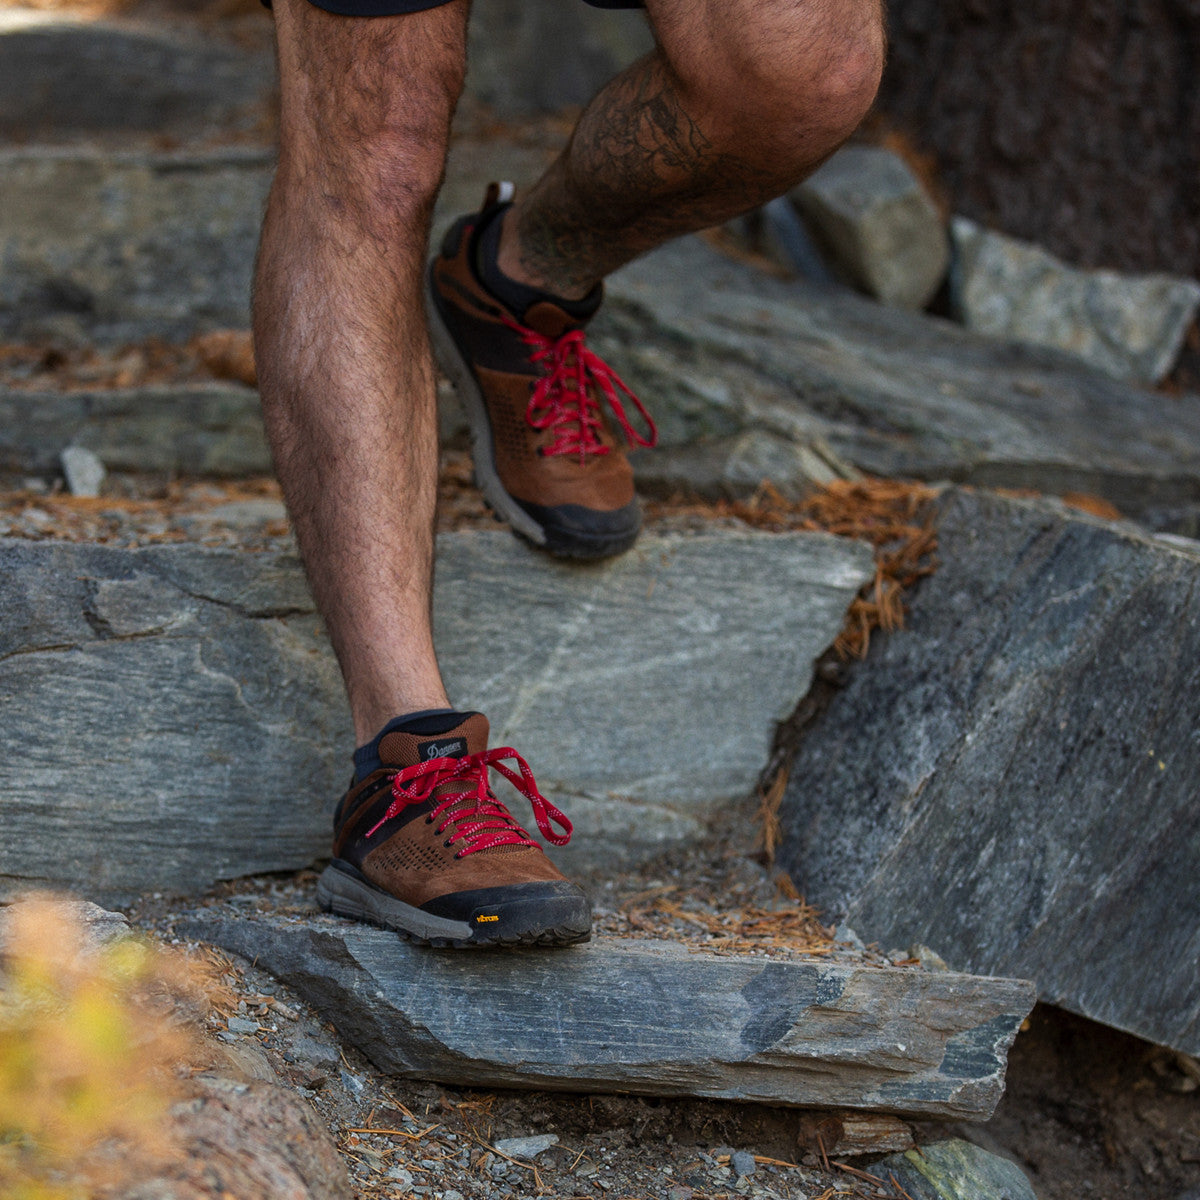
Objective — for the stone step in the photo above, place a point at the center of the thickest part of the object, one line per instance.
(211, 428)
(194, 429)
(123, 246)
(149, 77)
(65, 79)
(889, 392)
(894, 393)
(649, 1018)
(173, 715)
(128, 246)
(1012, 779)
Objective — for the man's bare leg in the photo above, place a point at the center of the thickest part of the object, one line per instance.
(339, 326)
(741, 100)
(348, 395)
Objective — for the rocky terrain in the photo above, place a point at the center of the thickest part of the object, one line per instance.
(913, 618)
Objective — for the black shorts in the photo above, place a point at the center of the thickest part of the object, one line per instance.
(390, 8)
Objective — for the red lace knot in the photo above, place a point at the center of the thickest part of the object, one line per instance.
(564, 400)
(472, 813)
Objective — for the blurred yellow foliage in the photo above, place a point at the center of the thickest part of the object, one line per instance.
(90, 1051)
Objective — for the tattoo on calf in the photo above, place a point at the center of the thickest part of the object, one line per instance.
(638, 170)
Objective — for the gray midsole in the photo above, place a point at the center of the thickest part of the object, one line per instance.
(451, 361)
(350, 897)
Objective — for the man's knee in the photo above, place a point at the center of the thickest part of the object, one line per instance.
(367, 104)
(780, 78)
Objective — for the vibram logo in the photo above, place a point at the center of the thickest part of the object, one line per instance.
(482, 919)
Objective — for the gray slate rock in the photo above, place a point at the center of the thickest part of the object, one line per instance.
(648, 1018)
(1012, 779)
(890, 392)
(955, 1170)
(121, 246)
(158, 707)
(124, 246)
(733, 467)
(646, 689)
(196, 684)
(83, 471)
(874, 219)
(62, 78)
(526, 1147)
(742, 1162)
(197, 429)
(1129, 326)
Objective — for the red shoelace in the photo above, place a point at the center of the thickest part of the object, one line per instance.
(477, 819)
(562, 399)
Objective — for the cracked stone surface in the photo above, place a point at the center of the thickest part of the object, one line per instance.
(173, 715)
(1012, 779)
(648, 1017)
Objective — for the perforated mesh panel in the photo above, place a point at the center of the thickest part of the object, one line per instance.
(405, 856)
(509, 430)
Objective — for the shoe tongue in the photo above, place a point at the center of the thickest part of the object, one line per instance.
(549, 320)
(403, 749)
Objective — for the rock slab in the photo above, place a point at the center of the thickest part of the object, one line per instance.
(1012, 780)
(890, 392)
(124, 246)
(649, 1018)
(62, 78)
(874, 219)
(1129, 326)
(647, 688)
(206, 428)
(195, 429)
(159, 706)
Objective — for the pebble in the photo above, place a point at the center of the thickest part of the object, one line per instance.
(242, 1025)
(527, 1147)
(352, 1083)
(84, 472)
(743, 1163)
(452, 1195)
(309, 1050)
(401, 1176)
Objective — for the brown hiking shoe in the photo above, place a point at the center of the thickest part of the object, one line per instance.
(422, 846)
(546, 458)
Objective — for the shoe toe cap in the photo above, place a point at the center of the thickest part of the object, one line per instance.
(574, 531)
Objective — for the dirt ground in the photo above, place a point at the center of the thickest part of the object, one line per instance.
(1092, 1112)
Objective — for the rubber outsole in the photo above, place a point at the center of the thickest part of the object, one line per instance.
(525, 923)
(560, 543)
